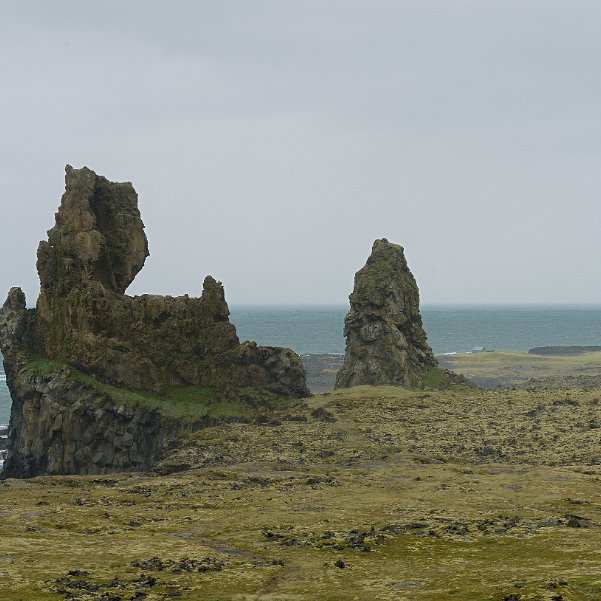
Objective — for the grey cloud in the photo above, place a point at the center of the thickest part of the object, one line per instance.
(271, 142)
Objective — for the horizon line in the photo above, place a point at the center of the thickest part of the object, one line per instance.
(425, 305)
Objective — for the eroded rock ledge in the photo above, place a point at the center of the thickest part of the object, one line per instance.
(84, 323)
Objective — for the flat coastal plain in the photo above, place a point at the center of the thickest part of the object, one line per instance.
(554, 367)
(365, 493)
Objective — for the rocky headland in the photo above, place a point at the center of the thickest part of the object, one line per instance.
(74, 363)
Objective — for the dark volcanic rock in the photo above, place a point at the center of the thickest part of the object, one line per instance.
(84, 319)
(93, 253)
(62, 425)
(279, 369)
(98, 236)
(385, 339)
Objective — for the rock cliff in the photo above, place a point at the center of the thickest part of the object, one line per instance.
(385, 338)
(86, 330)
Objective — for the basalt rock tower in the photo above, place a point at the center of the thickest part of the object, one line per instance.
(385, 338)
(85, 322)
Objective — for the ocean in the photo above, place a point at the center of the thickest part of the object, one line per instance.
(311, 330)
(450, 328)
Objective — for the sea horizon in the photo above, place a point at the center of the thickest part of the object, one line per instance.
(422, 305)
(318, 329)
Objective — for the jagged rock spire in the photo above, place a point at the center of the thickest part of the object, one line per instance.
(98, 236)
(385, 338)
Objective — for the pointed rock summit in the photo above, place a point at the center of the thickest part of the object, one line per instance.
(385, 339)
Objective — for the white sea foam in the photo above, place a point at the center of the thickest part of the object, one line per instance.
(2, 377)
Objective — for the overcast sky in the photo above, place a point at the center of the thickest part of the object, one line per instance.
(271, 142)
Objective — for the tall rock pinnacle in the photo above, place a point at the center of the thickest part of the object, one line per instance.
(385, 338)
(98, 235)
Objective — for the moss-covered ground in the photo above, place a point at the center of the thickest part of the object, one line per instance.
(368, 493)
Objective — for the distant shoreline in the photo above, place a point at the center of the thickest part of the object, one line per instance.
(539, 350)
(564, 350)
(486, 369)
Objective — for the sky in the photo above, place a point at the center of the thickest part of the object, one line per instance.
(271, 142)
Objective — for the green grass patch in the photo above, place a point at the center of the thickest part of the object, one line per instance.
(37, 364)
(188, 402)
(433, 378)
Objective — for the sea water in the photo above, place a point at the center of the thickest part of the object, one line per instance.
(451, 329)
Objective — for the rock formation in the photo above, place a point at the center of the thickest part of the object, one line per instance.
(385, 338)
(61, 424)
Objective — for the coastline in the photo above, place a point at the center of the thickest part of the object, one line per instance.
(551, 366)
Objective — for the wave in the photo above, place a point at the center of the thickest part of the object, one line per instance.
(2, 377)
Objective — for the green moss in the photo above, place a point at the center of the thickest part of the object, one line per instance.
(190, 402)
(510, 368)
(185, 402)
(37, 364)
(433, 378)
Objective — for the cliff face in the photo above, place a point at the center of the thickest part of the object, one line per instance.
(385, 339)
(62, 425)
(148, 343)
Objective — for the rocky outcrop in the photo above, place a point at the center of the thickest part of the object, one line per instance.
(62, 425)
(279, 369)
(148, 342)
(84, 319)
(385, 338)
